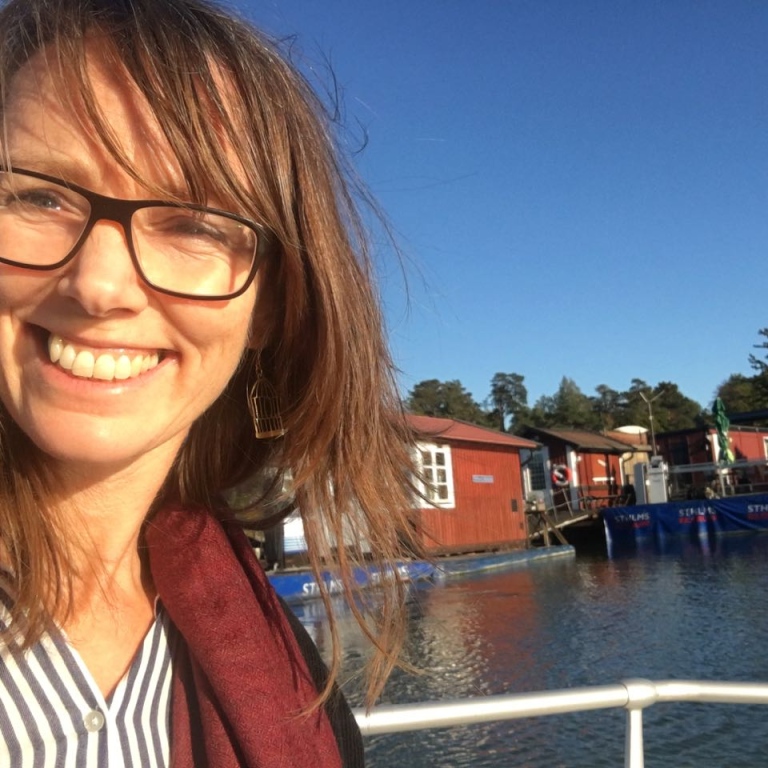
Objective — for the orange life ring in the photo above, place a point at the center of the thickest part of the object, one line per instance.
(561, 475)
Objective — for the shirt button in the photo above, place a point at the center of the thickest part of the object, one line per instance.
(93, 721)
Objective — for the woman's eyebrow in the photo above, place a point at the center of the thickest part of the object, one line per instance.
(75, 173)
(44, 163)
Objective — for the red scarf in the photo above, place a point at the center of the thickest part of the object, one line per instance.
(238, 694)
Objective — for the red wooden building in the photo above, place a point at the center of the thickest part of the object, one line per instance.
(474, 486)
(592, 469)
(697, 449)
(698, 446)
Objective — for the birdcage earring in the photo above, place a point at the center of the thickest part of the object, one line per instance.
(264, 407)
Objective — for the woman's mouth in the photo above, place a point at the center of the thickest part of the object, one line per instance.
(93, 363)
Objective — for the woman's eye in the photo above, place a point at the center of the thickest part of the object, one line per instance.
(197, 228)
(211, 228)
(31, 199)
(40, 199)
(194, 232)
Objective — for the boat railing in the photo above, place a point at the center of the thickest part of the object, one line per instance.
(634, 695)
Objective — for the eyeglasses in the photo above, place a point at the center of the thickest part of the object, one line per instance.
(180, 249)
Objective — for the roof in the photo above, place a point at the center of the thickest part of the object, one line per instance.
(450, 429)
(581, 439)
(746, 417)
(637, 441)
(709, 429)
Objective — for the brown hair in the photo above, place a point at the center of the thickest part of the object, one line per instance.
(214, 84)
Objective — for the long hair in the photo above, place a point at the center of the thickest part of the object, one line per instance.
(246, 128)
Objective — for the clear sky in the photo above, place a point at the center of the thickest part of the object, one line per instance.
(580, 186)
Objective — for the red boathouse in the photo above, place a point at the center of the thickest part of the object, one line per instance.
(474, 485)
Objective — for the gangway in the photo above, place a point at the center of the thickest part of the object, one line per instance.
(543, 521)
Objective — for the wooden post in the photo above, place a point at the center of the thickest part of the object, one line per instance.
(551, 523)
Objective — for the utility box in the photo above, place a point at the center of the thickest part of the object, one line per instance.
(657, 481)
(652, 482)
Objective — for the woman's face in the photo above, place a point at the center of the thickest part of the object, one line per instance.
(97, 308)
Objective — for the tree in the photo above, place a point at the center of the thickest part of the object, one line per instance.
(760, 379)
(673, 410)
(572, 407)
(446, 399)
(568, 407)
(634, 408)
(608, 406)
(543, 412)
(509, 398)
(740, 394)
(757, 363)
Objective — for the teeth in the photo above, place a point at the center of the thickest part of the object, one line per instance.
(83, 365)
(55, 345)
(123, 367)
(67, 357)
(107, 367)
(104, 368)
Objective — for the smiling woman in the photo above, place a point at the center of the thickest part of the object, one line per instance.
(177, 238)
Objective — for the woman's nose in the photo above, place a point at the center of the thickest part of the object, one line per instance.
(101, 277)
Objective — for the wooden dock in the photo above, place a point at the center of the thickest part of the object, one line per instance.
(545, 524)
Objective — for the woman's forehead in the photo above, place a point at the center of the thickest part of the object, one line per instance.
(47, 120)
(95, 115)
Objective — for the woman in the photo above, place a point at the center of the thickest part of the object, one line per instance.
(182, 274)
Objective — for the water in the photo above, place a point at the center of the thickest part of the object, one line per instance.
(589, 621)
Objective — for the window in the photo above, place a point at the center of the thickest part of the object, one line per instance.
(537, 471)
(433, 463)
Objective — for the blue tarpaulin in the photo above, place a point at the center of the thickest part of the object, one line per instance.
(651, 525)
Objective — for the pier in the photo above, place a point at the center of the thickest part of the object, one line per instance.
(546, 524)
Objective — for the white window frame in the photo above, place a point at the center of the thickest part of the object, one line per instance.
(765, 446)
(433, 453)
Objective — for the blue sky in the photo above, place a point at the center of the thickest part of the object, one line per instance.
(580, 188)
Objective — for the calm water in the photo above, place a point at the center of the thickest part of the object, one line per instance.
(683, 614)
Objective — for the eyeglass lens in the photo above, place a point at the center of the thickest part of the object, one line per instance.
(179, 249)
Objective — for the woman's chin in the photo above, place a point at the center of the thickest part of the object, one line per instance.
(100, 443)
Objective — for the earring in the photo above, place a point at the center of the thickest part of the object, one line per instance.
(264, 407)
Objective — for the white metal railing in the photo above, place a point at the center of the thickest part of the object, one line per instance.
(633, 695)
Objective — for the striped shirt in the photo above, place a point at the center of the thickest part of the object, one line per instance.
(53, 715)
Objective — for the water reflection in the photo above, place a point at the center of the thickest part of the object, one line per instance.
(684, 614)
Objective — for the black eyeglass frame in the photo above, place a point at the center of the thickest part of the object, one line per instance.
(120, 211)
